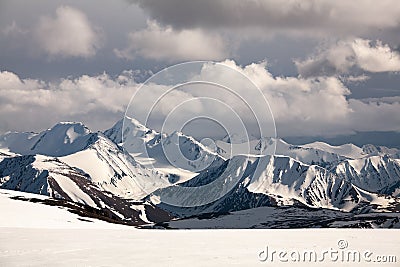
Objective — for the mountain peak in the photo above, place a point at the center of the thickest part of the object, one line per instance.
(70, 129)
(128, 128)
(62, 139)
(70, 124)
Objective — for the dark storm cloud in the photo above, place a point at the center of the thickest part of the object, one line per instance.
(315, 17)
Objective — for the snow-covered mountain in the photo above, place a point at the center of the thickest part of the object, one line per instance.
(62, 139)
(276, 146)
(314, 186)
(49, 176)
(134, 134)
(249, 182)
(318, 153)
(89, 169)
(93, 153)
(350, 151)
(373, 150)
(137, 175)
(176, 153)
(115, 171)
(379, 174)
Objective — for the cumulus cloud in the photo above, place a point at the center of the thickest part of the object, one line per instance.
(319, 106)
(165, 43)
(68, 34)
(31, 104)
(375, 58)
(322, 17)
(358, 53)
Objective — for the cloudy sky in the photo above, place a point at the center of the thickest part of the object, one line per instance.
(329, 69)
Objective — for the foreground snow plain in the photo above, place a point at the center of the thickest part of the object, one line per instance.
(33, 234)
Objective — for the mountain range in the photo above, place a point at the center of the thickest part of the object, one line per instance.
(134, 175)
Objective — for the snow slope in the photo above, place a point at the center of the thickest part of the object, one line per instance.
(27, 214)
(347, 150)
(115, 171)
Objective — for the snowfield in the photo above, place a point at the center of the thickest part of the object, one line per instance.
(24, 214)
(33, 234)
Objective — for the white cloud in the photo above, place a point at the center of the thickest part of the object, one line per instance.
(29, 104)
(316, 106)
(68, 34)
(341, 57)
(165, 43)
(375, 58)
(301, 106)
